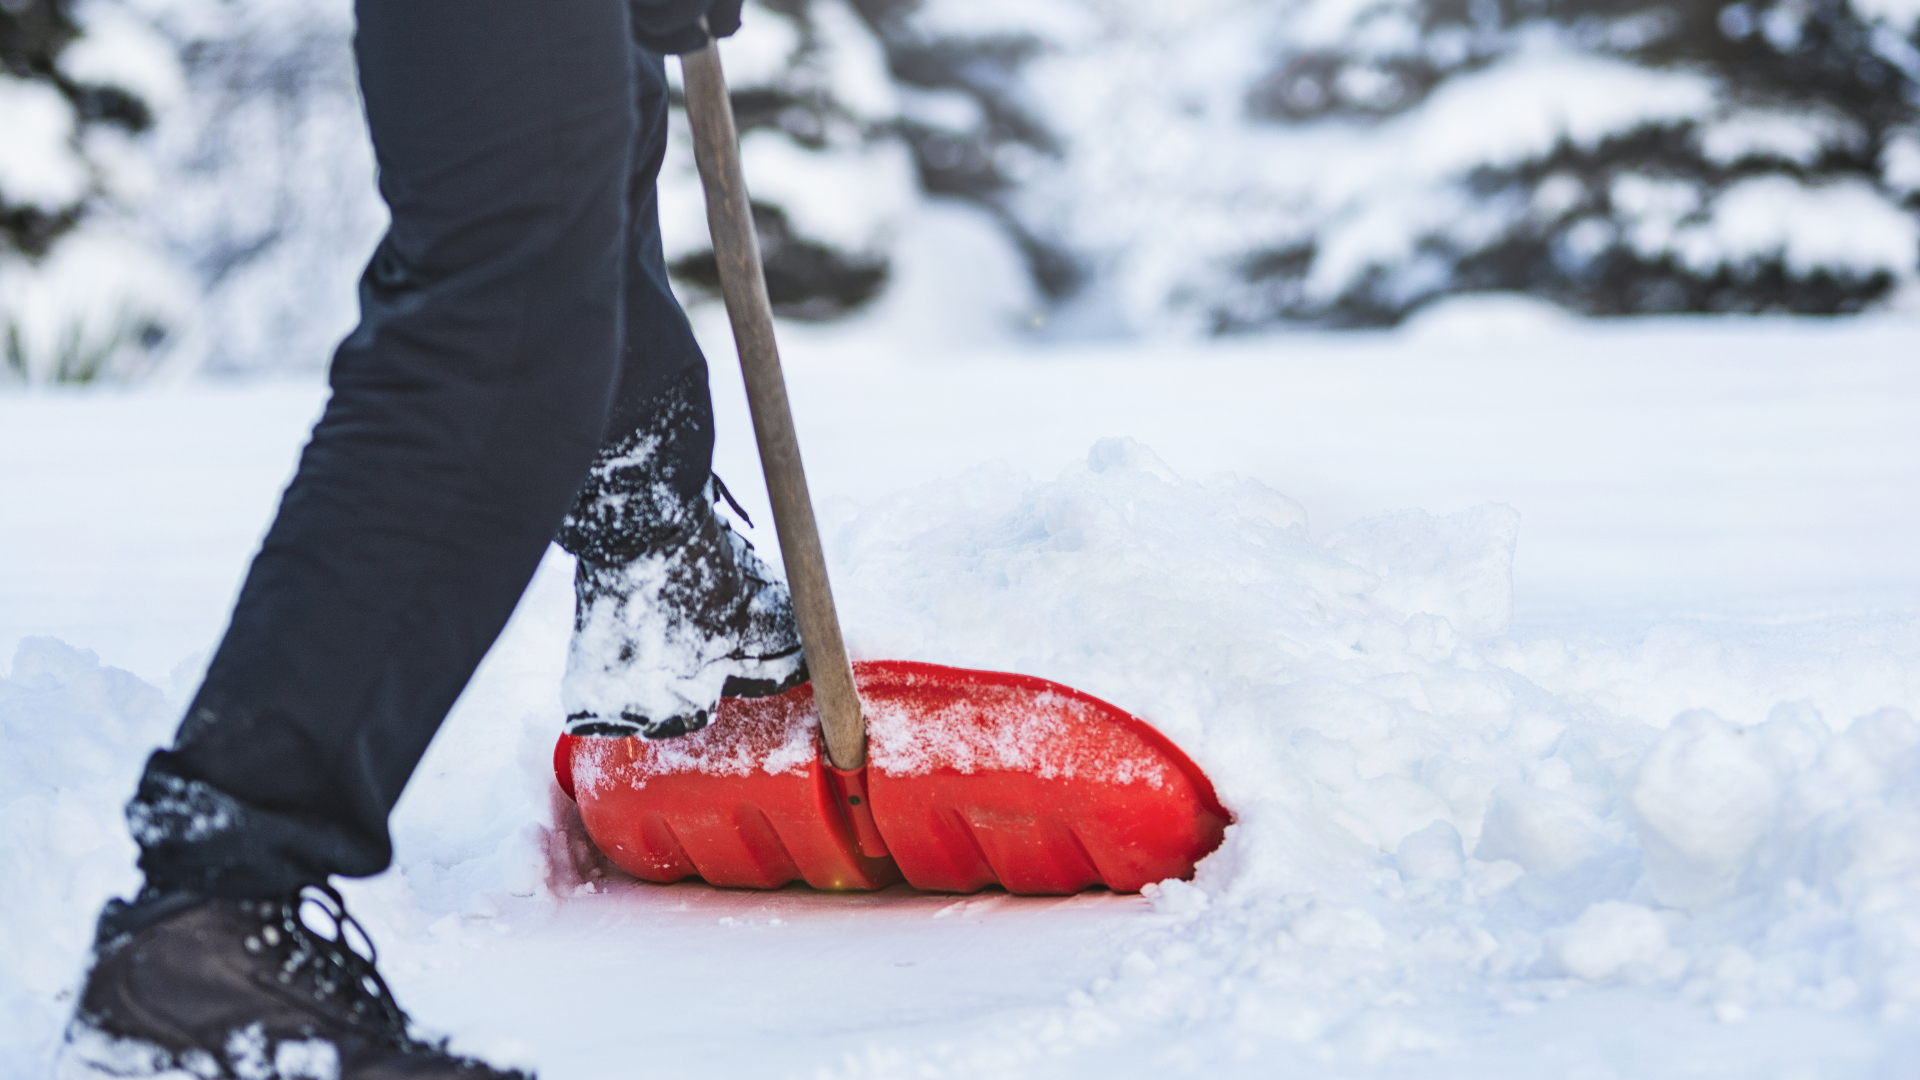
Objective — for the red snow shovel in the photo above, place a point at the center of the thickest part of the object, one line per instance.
(971, 778)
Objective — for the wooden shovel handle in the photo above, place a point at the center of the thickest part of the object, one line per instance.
(736, 248)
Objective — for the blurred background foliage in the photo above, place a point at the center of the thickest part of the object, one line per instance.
(185, 185)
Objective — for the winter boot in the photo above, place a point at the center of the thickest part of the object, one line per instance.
(659, 639)
(186, 987)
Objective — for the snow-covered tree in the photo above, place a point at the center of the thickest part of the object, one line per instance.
(1233, 163)
(850, 111)
(83, 294)
(966, 110)
(830, 174)
(1632, 156)
(1200, 167)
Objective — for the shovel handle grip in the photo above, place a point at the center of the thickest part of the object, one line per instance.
(736, 248)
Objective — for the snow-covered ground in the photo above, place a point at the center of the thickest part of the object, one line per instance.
(1561, 677)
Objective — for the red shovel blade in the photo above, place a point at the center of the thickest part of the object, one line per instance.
(974, 778)
(745, 802)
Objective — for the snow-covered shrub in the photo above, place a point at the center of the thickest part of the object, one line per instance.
(1618, 156)
(850, 110)
(1232, 163)
(84, 293)
(1169, 168)
(976, 131)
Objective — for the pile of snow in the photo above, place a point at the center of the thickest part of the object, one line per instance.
(1448, 838)
(76, 735)
(1436, 824)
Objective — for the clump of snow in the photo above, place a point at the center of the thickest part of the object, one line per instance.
(76, 735)
(119, 48)
(1432, 854)
(40, 167)
(1616, 940)
(1704, 798)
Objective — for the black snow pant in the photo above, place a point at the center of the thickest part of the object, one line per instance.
(516, 327)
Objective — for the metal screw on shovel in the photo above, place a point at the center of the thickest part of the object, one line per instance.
(736, 248)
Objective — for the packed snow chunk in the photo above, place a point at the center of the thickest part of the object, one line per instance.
(1705, 797)
(1330, 927)
(1543, 831)
(1432, 854)
(1459, 567)
(1616, 941)
(75, 734)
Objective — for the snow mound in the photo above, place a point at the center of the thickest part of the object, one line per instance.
(1424, 834)
(76, 735)
(1451, 842)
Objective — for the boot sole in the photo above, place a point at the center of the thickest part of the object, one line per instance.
(95, 1055)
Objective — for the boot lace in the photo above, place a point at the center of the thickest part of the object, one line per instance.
(325, 966)
(721, 492)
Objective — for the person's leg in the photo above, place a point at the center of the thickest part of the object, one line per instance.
(466, 409)
(648, 482)
(673, 608)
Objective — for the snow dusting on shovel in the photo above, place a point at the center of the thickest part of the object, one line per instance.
(782, 739)
(1054, 735)
(989, 728)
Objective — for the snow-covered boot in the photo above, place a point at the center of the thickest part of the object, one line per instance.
(186, 987)
(658, 640)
